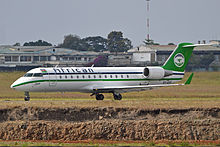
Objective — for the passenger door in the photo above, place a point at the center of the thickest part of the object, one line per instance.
(52, 80)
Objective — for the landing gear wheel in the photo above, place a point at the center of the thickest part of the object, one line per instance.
(99, 97)
(27, 98)
(117, 96)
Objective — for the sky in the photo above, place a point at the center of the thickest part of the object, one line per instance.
(50, 20)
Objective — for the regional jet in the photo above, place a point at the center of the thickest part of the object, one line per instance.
(115, 80)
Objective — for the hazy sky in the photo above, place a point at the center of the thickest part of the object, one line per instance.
(171, 20)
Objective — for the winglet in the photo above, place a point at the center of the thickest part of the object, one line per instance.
(189, 79)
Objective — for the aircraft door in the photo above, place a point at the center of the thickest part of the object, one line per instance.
(145, 83)
(52, 80)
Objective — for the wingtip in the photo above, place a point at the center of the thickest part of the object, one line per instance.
(189, 79)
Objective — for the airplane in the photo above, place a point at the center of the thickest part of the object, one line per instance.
(115, 80)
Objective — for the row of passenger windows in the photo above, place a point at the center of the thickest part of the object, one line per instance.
(94, 76)
(79, 77)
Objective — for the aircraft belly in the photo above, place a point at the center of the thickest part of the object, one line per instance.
(72, 86)
(117, 83)
(24, 88)
(38, 87)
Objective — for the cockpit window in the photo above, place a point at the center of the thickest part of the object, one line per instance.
(38, 75)
(28, 75)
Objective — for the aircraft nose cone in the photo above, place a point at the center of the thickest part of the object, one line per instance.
(17, 85)
(12, 86)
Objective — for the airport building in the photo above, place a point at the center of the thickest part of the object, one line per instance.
(121, 59)
(204, 57)
(27, 57)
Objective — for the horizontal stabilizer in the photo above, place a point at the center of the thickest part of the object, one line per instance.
(189, 79)
(197, 45)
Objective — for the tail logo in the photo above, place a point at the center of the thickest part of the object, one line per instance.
(179, 60)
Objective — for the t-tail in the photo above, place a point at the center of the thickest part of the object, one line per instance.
(179, 58)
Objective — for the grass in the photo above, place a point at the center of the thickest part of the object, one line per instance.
(106, 143)
(203, 92)
(160, 103)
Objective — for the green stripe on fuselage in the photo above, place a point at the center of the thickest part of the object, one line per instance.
(87, 80)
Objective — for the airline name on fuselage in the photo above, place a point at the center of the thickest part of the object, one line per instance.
(73, 70)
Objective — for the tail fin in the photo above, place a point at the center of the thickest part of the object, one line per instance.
(179, 57)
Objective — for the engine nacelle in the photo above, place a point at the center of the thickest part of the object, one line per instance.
(156, 72)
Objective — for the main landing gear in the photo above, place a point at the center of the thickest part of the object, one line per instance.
(117, 96)
(99, 97)
(27, 96)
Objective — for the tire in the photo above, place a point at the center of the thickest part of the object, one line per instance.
(99, 97)
(27, 98)
(117, 97)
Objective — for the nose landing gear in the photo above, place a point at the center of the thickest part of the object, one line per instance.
(27, 96)
(117, 96)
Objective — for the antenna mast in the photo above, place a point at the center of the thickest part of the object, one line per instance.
(148, 20)
(148, 41)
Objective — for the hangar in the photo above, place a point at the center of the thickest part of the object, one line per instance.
(26, 57)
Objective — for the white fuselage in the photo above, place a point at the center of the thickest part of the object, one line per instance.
(85, 79)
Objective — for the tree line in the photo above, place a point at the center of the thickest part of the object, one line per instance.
(115, 42)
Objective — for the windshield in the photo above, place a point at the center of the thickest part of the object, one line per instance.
(33, 75)
(28, 75)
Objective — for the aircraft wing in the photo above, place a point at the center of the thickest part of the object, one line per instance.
(122, 89)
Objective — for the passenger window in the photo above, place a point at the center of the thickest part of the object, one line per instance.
(106, 76)
(116, 76)
(121, 76)
(71, 77)
(60, 77)
(77, 77)
(100, 76)
(94, 76)
(110, 76)
(127, 76)
(83, 77)
(89, 76)
(66, 77)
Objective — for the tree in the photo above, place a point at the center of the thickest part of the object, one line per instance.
(96, 43)
(150, 42)
(171, 44)
(17, 44)
(74, 42)
(101, 61)
(116, 42)
(37, 43)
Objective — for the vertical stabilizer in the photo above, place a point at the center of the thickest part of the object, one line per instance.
(179, 57)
